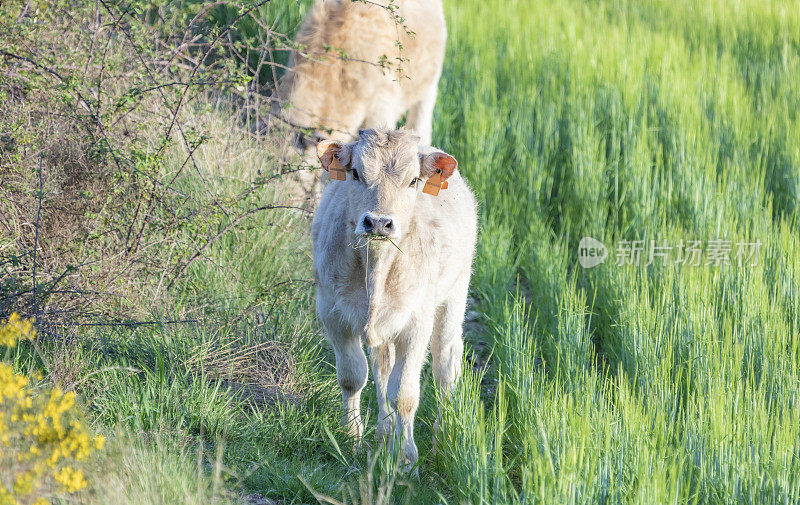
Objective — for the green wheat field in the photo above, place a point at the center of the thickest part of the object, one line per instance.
(632, 382)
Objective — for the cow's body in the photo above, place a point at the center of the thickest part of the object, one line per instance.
(344, 95)
(398, 298)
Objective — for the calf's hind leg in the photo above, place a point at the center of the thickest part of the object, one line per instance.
(447, 346)
(420, 116)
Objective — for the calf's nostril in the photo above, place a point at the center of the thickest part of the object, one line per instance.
(388, 224)
(367, 223)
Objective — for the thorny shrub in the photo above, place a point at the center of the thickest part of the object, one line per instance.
(101, 114)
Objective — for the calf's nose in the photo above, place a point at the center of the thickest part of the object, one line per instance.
(378, 225)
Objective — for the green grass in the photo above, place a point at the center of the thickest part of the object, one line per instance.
(629, 120)
(619, 120)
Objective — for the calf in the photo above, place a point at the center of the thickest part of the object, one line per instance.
(393, 246)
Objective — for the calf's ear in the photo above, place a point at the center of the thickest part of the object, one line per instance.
(438, 162)
(334, 156)
(437, 166)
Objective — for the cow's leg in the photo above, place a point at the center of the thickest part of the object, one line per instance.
(420, 117)
(404, 385)
(447, 346)
(351, 372)
(382, 358)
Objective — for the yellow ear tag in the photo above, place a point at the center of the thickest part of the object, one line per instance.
(336, 171)
(434, 184)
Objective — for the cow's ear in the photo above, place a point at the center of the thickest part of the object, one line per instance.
(335, 157)
(436, 167)
(438, 162)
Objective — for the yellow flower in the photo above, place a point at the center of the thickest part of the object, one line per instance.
(41, 429)
(5, 496)
(15, 329)
(25, 483)
(72, 480)
(11, 384)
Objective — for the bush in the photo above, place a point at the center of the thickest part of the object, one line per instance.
(43, 441)
(103, 194)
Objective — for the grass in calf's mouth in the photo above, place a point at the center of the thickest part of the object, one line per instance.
(365, 240)
(376, 236)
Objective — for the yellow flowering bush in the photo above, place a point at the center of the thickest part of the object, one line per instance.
(16, 329)
(42, 441)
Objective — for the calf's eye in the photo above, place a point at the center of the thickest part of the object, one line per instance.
(413, 182)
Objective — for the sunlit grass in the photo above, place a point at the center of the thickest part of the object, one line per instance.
(629, 120)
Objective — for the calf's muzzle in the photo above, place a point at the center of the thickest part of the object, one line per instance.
(377, 225)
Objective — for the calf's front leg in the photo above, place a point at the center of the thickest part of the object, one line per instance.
(404, 386)
(351, 372)
(382, 360)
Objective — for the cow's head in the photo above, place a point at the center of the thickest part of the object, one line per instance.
(386, 174)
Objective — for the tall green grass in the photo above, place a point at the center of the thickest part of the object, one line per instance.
(628, 120)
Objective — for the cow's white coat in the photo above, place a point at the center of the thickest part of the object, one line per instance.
(399, 298)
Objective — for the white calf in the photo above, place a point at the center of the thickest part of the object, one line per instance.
(392, 263)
